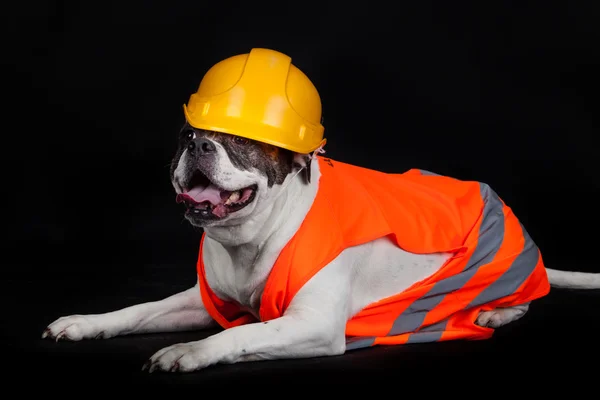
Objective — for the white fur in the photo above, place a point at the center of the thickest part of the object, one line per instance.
(232, 179)
(573, 280)
(501, 316)
(239, 255)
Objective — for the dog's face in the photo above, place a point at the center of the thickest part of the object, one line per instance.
(223, 179)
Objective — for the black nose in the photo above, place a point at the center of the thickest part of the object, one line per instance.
(201, 146)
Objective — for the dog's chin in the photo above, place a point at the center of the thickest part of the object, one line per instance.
(208, 204)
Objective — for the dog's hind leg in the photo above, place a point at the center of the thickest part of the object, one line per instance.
(501, 316)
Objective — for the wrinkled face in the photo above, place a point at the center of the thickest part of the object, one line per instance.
(223, 179)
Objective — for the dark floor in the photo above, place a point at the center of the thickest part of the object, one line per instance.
(558, 336)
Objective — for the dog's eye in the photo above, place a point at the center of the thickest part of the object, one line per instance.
(191, 135)
(240, 140)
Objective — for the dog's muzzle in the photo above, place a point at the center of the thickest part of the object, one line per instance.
(203, 198)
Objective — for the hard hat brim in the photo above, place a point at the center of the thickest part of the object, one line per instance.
(252, 136)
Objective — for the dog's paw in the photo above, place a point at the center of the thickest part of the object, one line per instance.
(490, 319)
(182, 357)
(500, 316)
(73, 328)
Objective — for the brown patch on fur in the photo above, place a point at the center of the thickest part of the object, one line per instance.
(270, 150)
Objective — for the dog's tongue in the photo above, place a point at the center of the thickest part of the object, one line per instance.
(210, 193)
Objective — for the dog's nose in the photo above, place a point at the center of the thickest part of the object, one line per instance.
(201, 146)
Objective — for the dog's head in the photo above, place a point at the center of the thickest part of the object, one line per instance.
(223, 178)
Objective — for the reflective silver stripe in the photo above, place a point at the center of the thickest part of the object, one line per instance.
(518, 272)
(359, 343)
(428, 173)
(491, 235)
(430, 333)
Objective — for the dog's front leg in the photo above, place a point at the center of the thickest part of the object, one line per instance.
(182, 311)
(313, 325)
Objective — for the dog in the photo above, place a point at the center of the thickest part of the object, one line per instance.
(254, 200)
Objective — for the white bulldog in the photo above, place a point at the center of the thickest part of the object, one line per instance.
(251, 198)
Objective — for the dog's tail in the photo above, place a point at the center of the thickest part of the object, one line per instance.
(573, 280)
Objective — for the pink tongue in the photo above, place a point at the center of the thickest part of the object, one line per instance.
(210, 193)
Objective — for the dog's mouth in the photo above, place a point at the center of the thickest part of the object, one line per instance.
(203, 198)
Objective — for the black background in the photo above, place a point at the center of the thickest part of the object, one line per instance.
(93, 100)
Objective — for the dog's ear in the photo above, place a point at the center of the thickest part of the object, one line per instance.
(302, 161)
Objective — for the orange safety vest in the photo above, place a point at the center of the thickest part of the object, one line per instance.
(495, 262)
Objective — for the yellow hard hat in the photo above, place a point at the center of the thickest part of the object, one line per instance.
(261, 96)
